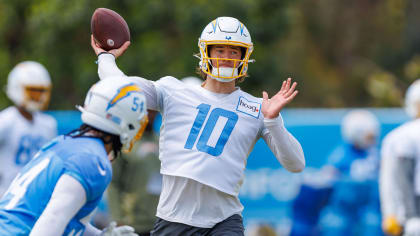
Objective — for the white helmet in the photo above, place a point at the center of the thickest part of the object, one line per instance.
(192, 80)
(412, 99)
(225, 31)
(360, 128)
(117, 106)
(29, 85)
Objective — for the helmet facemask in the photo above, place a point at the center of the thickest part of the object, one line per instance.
(210, 65)
(36, 97)
(226, 31)
(129, 145)
(29, 86)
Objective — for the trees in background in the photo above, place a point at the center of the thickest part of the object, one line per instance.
(343, 53)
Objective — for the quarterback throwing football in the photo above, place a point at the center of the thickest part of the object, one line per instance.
(208, 131)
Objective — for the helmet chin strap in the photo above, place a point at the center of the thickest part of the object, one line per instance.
(224, 72)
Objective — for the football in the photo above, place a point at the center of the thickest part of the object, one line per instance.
(109, 29)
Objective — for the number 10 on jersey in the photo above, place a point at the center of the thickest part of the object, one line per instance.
(202, 146)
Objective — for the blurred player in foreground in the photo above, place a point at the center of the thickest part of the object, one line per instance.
(208, 131)
(400, 173)
(56, 192)
(23, 128)
(347, 184)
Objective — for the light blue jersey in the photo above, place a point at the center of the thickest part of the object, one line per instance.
(353, 208)
(83, 158)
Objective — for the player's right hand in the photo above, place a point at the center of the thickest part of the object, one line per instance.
(116, 52)
(391, 226)
(113, 230)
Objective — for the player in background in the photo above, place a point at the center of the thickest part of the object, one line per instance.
(208, 132)
(23, 127)
(399, 173)
(336, 199)
(353, 208)
(57, 191)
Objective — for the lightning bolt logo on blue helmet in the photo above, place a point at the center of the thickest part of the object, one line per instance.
(123, 92)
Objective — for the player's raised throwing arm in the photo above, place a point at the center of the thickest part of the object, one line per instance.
(107, 68)
(284, 146)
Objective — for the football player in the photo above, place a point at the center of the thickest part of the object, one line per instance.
(23, 128)
(354, 165)
(208, 131)
(399, 173)
(57, 191)
(344, 184)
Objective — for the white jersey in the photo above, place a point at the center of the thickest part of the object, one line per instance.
(204, 144)
(20, 140)
(400, 172)
(205, 134)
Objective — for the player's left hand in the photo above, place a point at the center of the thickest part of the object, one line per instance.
(113, 230)
(272, 107)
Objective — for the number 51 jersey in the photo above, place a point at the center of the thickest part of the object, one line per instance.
(207, 136)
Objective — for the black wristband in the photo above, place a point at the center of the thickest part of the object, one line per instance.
(103, 53)
(96, 62)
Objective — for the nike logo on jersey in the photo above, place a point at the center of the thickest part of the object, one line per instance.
(101, 171)
(249, 107)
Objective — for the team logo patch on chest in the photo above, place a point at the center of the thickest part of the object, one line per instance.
(249, 107)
